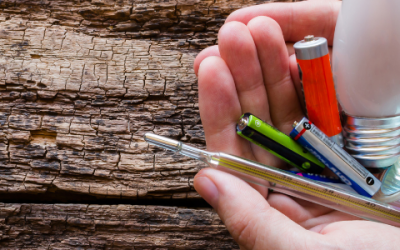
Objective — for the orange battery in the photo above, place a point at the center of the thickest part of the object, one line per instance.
(313, 61)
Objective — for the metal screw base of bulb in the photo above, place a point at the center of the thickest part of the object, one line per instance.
(374, 142)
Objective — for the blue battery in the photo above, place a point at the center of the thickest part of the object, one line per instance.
(335, 158)
(318, 177)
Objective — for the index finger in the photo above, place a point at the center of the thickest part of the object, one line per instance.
(297, 20)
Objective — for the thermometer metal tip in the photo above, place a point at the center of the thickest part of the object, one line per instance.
(162, 141)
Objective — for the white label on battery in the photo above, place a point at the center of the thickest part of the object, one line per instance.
(340, 152)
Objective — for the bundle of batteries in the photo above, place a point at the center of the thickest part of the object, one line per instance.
(315, 142)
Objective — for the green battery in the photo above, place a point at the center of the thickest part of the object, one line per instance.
(279, 144)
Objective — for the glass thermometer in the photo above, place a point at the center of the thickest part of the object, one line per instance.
(285, 182)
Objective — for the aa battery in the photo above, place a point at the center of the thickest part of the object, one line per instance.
(319, 93)
(335, 158)
(327, 180)
(279, 144)
(318, 177)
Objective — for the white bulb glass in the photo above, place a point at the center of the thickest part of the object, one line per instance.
(366, 58)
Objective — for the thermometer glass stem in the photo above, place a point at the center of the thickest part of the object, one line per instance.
(286, 182)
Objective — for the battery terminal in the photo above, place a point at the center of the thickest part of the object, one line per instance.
(243, 122)
(309, 38)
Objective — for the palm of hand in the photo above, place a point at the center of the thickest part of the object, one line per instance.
(251, 71)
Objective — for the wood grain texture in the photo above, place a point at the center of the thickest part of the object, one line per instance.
(81, 226)
(82, 81)
(197, 21)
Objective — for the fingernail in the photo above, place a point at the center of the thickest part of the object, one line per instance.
(207, 189)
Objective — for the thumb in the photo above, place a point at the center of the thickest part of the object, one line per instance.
(251, 221)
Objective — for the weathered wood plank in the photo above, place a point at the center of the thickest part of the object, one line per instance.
(66, 226)
(73, 114)
(82, 81)
(195, 20)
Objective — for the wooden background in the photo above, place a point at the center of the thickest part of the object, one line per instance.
(81, 81)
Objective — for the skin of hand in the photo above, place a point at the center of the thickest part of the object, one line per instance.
(252, 70)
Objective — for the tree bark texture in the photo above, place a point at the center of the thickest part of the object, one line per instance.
(66, 226)
(80, 83)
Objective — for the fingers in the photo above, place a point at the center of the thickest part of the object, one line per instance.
(297, 20)
(214, 51)
(210, 51)
(319, 223)
(307, 214)
(248, 217)
(294, 72)
(220, 108)
(238, 50)
(297, 210)
(282, 97)
(362, 235)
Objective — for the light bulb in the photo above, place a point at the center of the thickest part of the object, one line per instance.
(366, 70)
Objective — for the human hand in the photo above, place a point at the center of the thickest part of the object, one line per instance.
(251, 71)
